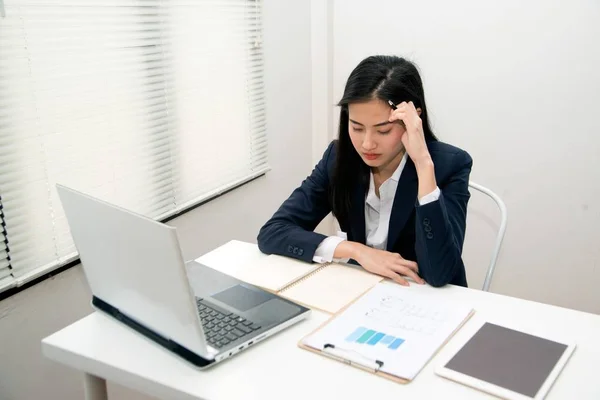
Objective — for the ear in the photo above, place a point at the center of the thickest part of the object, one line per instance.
(419, 111)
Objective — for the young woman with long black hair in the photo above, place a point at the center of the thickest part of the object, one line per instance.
(399, 194)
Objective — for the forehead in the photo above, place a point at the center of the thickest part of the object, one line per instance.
(370, 112)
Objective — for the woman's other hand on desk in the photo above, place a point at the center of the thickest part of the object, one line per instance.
(380, 262)
(389, 265)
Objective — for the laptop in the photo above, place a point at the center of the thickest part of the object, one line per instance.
(137, 275)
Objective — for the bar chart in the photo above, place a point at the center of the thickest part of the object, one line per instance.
(371, 337)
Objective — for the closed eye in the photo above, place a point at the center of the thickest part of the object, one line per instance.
(385, 132)
(357, 129)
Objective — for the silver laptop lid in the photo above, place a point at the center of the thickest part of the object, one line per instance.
(134, 264)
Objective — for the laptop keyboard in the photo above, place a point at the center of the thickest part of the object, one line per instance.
(222, 327)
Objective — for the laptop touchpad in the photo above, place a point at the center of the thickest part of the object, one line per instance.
(242, 298)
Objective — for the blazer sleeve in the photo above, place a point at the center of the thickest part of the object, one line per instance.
(440, 228)
(290, 231)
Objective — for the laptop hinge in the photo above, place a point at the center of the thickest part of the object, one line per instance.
(169, 344)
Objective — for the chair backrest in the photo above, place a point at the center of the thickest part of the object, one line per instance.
(503, 214)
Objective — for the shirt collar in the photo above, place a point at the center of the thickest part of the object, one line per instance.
(396, 175)
(372, 198)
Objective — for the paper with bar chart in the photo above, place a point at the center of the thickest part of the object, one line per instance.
(398, 326)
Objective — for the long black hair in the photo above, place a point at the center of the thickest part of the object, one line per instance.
(376, 77)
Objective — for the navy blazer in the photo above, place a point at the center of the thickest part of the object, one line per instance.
(432, 234)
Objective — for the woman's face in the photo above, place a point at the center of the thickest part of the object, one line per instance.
(376, 140)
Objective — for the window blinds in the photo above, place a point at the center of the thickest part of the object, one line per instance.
(151, 105)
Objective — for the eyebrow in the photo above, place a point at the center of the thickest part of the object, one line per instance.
(379, 124)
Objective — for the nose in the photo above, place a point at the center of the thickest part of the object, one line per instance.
(368, 143)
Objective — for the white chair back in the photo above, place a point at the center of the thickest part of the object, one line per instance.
(500, 236)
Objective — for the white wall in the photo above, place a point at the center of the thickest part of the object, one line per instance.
(39, 311)
(517, 85)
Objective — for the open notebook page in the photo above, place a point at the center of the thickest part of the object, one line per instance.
(332, 287)
(231, 257)
(274, 272)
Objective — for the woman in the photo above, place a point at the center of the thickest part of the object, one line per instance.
(400, 195)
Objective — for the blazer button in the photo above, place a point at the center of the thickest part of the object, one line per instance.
(295, 250)
(290, 248)
(425, 221)
(427, 228)
(300, 252)
(429, 235)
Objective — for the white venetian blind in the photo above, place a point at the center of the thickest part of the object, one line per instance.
(152, 105)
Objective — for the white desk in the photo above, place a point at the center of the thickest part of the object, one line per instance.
(277, 368)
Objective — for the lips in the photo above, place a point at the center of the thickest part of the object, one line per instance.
(370, 156)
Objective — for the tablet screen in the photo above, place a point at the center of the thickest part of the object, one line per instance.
(507, 358)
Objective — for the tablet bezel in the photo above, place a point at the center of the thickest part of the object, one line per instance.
(476, 383)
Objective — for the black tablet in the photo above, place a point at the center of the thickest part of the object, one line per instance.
(507, 363)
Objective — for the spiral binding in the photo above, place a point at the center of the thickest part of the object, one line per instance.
(305, 277)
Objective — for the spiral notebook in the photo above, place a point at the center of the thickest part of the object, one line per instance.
(327, 287)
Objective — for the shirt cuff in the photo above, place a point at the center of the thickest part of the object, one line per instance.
(431, 197)
(326, 248)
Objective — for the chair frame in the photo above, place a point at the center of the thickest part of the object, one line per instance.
(501, 231)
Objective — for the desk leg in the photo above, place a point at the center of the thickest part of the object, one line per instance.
(94, 387)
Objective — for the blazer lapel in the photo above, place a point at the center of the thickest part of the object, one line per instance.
(404, 202)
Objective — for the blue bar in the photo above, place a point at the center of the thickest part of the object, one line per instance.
(387, 339)
(366, 336)
(376, 338)
(396, 343)
(356, 334)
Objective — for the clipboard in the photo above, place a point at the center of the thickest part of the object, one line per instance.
(356, 360)
(345, 357)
